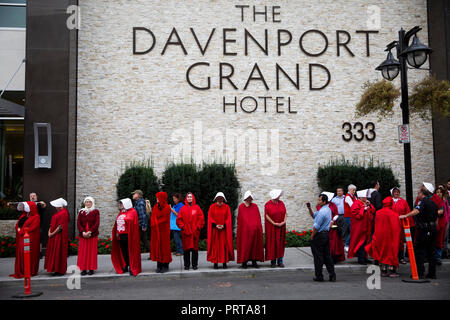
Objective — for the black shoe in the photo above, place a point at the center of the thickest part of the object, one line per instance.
(225, 266)
(438, 262)
(57, 274)
(84, 272)
(131, 273)
(125, 269)
(280, 265)
(195, 268)
(318, 279)
(273, 265)
(244, 266)
(186, 268)
(370, 262)
(429, 276)
(333, 278)
(255, 265)
(362, 262)
(91, 272)
(216, 266)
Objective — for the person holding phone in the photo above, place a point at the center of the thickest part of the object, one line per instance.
(58, 239)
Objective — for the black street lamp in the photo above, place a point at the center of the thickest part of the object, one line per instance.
(416, 55)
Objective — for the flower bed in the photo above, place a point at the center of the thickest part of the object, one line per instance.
(7, 246)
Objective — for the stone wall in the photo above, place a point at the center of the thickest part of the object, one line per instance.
(7, 228)
(135, 107)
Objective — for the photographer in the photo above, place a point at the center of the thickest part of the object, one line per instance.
(320, 241)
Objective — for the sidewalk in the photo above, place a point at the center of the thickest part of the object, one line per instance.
(294, 259)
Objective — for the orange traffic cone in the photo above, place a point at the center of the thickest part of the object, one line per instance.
(27, 269)
(412, 258)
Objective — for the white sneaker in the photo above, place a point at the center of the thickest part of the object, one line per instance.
(346, 249)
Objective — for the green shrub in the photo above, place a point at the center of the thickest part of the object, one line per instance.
(219, 177)
(9, 214)
(138, 175)
(341, 173)
(204, 182)
(181, 178)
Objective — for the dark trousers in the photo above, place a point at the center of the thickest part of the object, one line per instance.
(124, 248)
(361, 253)
(424, 247)
(144, 239)
(320, 247)
(346, 232)
(187, 258)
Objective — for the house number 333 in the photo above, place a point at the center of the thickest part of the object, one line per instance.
(358, 131)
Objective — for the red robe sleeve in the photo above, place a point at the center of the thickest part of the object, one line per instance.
(80, 226)
(200, 219)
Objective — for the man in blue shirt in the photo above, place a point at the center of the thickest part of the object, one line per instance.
(320, 241)
(139, 206)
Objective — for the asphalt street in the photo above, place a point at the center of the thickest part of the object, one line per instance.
(282, 285)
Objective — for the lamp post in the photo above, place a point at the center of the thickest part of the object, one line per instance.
(415, 55)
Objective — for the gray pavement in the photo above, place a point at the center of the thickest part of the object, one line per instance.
(295, 259)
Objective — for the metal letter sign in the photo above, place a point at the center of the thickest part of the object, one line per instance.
(403, 134)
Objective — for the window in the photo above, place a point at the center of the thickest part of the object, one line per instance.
(12, 13)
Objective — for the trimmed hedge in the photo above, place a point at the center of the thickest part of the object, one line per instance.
(9, 214)
(138, 175)
(341, 173)
(204, 182)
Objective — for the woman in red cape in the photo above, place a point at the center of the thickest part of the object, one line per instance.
(58, 239)
(125, 246)
(401, 207)
(88, 222)
(220, 233)
(361, 226)
(249, 240)
(275, 228)
(28, 222)
(438, 198)
(336, 243)
(190, 220)
(160, 239)
(386, 238)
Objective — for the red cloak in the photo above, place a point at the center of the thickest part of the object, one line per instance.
(32, 223)
(336, 243)
(347, 209)
(220, 242)
(160, 228)
(58, 245)
(441, 223)
(361, 226)
(249, 239)
(275, 236)
(134, 245)
(401, 207)
(88, 247)
(385, 242)
(190, 220)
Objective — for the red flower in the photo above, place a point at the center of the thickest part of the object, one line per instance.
(10, 245)
(3, 250)
(107, 246)
(103, 244)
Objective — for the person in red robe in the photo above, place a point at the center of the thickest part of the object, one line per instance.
(88, 223)
(275, 217)
(190, 220)
(58, 239)
(386, 239)
(438, 198)
(337, 251)
(160, 239)
(29, 222)
(361, 227)
(401, 207)
(125, 244)
(220, 233)
(249, 239)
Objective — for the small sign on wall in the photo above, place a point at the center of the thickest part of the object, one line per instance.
(403, 134)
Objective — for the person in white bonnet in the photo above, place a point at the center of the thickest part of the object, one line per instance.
(275, 228)
(88, 223)
(249, 237)
(361, 227)
(58, 239)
